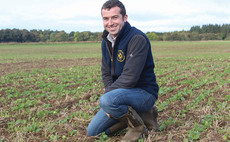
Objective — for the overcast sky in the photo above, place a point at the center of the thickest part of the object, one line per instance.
(85, 15)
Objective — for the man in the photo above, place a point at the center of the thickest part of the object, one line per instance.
(128, 76)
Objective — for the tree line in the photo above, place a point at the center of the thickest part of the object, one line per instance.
(205, 32)
(196, 33)
(17, 35)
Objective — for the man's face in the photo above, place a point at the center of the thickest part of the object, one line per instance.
(113, 20)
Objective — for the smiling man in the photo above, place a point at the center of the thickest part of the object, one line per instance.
(128, 76)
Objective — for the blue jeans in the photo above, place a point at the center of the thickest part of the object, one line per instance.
(115, 103)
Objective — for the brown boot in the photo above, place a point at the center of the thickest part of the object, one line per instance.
(150, 118)
(118, 126)
(136, 126)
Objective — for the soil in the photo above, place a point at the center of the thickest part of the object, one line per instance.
(172, 132)
(6, 68)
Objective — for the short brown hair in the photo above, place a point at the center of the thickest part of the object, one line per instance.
(113, 3)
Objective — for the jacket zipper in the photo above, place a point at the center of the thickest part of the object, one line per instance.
(111, 58)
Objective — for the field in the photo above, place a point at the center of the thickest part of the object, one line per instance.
(50, 91)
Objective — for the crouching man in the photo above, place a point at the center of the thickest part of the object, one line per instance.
(128, 76)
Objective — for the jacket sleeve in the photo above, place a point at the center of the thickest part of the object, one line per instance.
(106, 74)
(136, 57)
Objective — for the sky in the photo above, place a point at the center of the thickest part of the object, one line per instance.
(85, 15)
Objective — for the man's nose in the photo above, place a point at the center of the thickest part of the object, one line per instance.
(110, 22)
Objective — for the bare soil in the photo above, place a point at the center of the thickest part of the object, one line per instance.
(6, 68)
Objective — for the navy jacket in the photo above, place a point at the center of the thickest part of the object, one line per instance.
(129, 64)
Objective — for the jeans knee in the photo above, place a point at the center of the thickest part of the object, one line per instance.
(91, 132)
(104, 101)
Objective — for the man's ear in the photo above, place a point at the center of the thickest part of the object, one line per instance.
(125, 18)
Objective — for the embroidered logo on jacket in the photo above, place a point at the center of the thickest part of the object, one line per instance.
(120, 56)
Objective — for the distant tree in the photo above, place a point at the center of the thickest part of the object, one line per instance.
(76, 36)
(61, 36)
(34, 36)
(45, 35)
(225, 31)
(1, 36)
(83, 36)
(25, 35)
(6, 35)
(71, 36)
(227, 38)
(195, 29)
(177, 36)
(210, 36)
(53, 37)
(194, 36)
(99, 36)
(152, 36)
